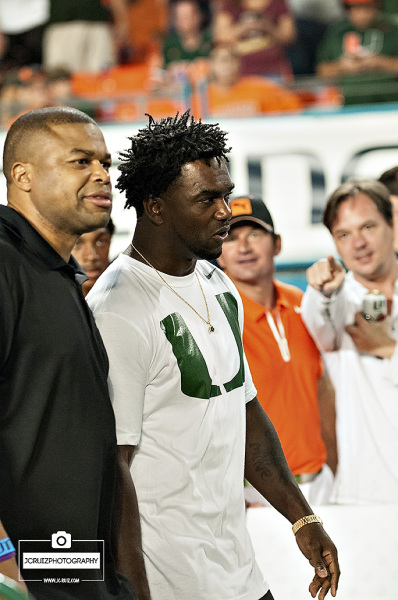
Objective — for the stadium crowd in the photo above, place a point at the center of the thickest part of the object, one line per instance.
(163, 56)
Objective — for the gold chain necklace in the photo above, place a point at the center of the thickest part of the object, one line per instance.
(207, 321)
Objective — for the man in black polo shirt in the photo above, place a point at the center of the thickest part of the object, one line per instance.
(58, 455)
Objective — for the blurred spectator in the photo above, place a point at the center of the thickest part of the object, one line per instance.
(9, 98)
(312, 18)
(92, 252)
(261, 30)
(390, 180)
(361, 51)
(360, 355)
(22, 90)
(21, 31)
(148, 23)
(187, 40)
(31, 87)
(96, 41)
(59, 87)
(229, 95)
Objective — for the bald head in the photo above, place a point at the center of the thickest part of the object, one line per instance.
(28, 130)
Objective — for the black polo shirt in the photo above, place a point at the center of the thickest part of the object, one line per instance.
(57, 431)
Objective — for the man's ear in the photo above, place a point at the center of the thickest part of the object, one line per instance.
(277, 244)
(21, 174)
(153, 209)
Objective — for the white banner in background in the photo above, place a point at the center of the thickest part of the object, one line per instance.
(293, 162)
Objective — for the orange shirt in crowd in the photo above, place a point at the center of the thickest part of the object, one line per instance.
(250, 96)
(287, 390)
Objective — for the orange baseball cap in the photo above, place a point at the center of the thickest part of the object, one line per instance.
(249, 208)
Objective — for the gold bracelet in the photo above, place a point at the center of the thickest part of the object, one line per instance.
(305, 521)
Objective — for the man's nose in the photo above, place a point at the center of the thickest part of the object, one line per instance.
(101, 173)
(243, 244)
(92, 253)
(358, 240)
(223, 210)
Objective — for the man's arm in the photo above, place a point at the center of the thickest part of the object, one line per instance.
(327, 413)
(9, 567)
(372, 337)
(344, 65)
(380, 63)
(323, 305)
(267, 470)
(130, 558)
(8, 319)
(376, 339)
(283, 32)
(353, 65)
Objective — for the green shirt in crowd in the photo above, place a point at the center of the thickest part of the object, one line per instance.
(381, 38)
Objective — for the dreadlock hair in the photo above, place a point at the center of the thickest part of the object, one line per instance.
(159, 151)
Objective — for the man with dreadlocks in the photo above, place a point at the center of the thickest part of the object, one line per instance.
(186, 408)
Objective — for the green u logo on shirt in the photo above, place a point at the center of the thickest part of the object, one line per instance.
(195, 378)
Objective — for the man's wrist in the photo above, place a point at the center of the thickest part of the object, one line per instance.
(307, 520)
(330, 293)
(7, 549)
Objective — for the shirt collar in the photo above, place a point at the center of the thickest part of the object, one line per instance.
(38, 245)
(256, 311)
(355, 285)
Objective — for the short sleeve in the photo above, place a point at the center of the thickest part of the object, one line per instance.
(128, 371)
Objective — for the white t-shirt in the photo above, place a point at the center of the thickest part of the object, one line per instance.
(366, 398)
(179, 395)
(18, 16)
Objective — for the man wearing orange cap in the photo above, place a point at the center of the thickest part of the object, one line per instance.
(362, 52)
(285, 364)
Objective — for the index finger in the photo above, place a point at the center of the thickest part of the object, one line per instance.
(333, 264)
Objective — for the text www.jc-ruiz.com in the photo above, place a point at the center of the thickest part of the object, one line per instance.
(61, 580)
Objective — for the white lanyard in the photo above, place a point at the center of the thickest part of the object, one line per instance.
(279, 334)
